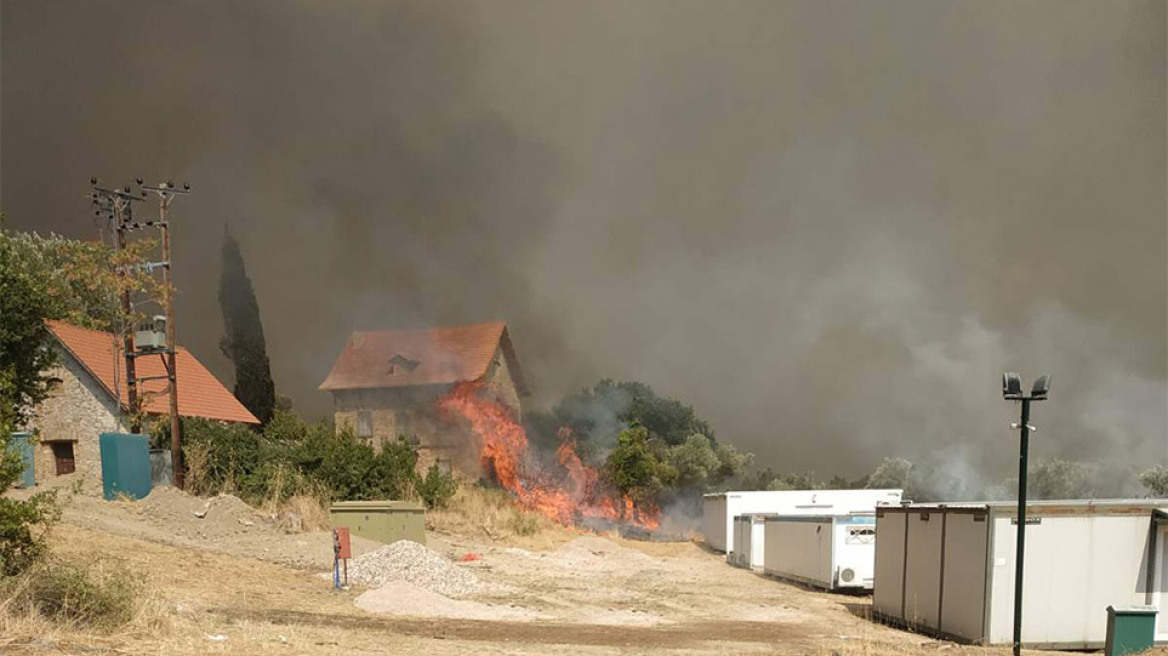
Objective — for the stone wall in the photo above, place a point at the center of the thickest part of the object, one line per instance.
(395, 412)
(78, 409)
(412, 412)
(501, 386)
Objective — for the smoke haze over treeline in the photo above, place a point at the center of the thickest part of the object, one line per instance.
(829, 225)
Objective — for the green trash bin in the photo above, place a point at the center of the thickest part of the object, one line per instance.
(1130, 629)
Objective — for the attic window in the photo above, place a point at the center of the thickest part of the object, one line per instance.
(400, 364)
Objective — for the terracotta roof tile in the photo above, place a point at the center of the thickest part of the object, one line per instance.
(200, 394)
(423, 356)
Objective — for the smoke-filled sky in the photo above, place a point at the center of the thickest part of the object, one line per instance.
(829, 225)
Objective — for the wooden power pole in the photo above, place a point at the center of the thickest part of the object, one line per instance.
(166, 193)
(117, 203)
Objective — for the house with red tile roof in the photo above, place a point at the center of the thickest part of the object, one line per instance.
(386, 384)
(88, 397)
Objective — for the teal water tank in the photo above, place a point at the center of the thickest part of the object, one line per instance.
(125, 465)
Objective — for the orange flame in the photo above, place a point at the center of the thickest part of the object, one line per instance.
(502, 445)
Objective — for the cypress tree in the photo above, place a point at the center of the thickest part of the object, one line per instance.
(243, 339)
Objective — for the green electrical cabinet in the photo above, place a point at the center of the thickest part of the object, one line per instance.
(383, 521)
(1130, 629)
(125, 465)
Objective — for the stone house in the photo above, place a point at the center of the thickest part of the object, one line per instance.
(386, 384)
(87, 397)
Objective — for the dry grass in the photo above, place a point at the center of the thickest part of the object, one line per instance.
(312, 511)
(196, 458)
(95, 603)
(178, 592)
(492, 513)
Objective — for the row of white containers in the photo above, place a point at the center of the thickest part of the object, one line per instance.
(949, 569)
(823, 538)
(719, 510)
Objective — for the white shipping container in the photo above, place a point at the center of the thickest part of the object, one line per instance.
(829, 552)
(719, 510)
(748, 541)
(949, 569)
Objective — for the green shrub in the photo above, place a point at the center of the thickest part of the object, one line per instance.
(525, 524)
(292, 457)
(101, 595)
(23, 523)
(219, 457)
(436, 488)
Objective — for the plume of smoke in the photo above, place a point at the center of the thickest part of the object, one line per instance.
(829, 225)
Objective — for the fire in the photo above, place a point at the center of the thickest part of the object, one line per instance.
(503, 454)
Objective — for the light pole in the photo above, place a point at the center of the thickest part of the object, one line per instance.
(1012, 391)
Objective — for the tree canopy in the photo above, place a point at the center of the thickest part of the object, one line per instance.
(1156, 481)
(24, 339)
(598, 414)
(243, 339)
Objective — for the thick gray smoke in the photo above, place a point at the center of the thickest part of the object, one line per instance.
(829, 225)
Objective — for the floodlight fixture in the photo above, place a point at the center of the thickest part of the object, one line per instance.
(1041, 387)
(1011, 386)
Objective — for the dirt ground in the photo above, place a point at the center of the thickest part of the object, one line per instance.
(229, 587)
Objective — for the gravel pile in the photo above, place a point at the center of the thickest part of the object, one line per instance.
(415, 564)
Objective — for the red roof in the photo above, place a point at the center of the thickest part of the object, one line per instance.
(424, 356)
(200, 394)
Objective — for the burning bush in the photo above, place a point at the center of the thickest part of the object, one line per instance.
(568, 493)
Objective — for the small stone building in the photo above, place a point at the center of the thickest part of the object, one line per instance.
(387, 383)
(87, 397)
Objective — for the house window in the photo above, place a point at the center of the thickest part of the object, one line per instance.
(443, 466)
(63, 457)
(364, 423)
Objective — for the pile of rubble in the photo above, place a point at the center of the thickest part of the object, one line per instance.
(415, 564)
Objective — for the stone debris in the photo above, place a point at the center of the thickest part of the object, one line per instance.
(415, 564)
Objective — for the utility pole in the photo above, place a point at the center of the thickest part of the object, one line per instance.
(1012, 391)
(166, 192)
(118, 203)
